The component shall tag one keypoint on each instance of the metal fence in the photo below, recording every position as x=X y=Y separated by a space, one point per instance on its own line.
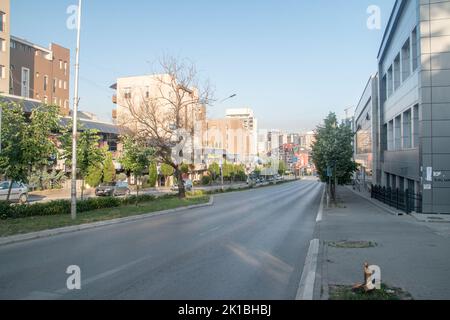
x=405 y=201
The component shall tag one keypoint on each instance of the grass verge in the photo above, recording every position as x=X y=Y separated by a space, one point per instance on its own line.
x=386 y=293
x=12 y=227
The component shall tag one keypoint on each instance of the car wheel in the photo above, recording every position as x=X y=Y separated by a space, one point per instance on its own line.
x=23 y=199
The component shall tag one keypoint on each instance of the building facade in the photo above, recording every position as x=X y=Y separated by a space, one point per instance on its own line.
x=40 y=73
x=230 y=135
x=4 y=46
x=411 y=128
x=250 y=123
x=367 y=135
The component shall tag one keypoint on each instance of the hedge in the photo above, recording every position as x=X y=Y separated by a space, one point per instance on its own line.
x=62 y=207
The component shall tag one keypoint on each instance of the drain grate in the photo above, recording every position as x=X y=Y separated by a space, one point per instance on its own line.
x=353 y=244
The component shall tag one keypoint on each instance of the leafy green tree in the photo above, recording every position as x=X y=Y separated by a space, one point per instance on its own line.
x=282 y=168
x=27 y=141
x=136 y=158
x=214 y=171
x=167 y=171
x=94 y=176
x=153 y=174
x=227 y=170
x=89 y=153
x=184 y=168
x=109 y=170
x=333 y=149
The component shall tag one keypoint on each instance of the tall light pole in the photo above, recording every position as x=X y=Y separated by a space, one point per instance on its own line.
x=76 y=100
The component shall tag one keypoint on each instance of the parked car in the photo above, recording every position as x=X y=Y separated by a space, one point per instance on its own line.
x=19 y=192
x=113 y=189
x=188 y=185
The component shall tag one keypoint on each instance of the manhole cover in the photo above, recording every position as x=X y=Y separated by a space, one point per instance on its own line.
x=353 y=244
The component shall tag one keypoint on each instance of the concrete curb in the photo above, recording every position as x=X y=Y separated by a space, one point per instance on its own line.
x=308 y=280
x=72 y=229
x=380 y=205
x=321 y=289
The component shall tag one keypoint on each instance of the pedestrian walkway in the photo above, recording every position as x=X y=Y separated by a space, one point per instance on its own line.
x=413 y=256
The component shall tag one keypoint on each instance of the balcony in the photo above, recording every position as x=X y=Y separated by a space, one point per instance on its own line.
x=114 y=99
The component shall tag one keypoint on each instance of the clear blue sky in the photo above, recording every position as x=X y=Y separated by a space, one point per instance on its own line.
x=292 y=61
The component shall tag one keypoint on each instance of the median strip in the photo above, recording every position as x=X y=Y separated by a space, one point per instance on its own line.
x=24 y=229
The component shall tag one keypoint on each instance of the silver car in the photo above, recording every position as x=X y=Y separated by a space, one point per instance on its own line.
x=19 y=192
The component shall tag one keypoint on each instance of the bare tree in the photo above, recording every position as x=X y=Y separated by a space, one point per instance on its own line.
x=160 y=112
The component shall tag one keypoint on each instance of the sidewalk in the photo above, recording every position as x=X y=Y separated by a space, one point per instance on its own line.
x=412 y=255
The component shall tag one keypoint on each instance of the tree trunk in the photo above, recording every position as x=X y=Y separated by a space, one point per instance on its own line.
x=181 y=188
x=137 y=190
x=82 y=190
x=9 y=191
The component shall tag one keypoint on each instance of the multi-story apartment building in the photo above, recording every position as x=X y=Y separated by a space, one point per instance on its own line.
x=31 y=71
x=307 y=140
x=152 y=97
x=231 y=137
x=250 y=123
x=40 y=73
x=263 y=142
x=411 y=129
x=4 y=45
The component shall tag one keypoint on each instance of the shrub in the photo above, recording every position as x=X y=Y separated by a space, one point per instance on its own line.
x=206 y=180
x=62 y=207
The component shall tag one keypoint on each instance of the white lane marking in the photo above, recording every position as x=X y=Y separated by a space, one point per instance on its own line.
x=209 y=231
x=320 y=213
x=60 y=293
x=306 y=287
x=106 y=274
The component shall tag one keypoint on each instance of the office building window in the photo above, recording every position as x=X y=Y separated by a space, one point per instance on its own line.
x=65 y=85
x=2 y=72
x=390 y=134
x=12 y=44
x=60 y=64
x=390 y=83
x=414 y=50
x=407 y=130
x=397 y=80
x=60 y=84
x=406 y=60
x=65 y=68
x=2 y=21
x=55 y=83
x=398 y=133
x=2 y=45
x=383 y=89
x=416 y=126
x=45 y=83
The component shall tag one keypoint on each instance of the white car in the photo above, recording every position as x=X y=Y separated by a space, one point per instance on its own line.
x=19 y=192
x=188 y=185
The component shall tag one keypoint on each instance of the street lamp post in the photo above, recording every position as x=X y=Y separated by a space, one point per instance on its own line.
x=1 y=111
x=75 y=119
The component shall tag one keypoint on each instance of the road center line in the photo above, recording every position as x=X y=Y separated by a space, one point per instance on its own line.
x=209 y=231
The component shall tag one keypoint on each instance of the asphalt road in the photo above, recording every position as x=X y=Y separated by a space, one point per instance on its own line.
x=249 y=245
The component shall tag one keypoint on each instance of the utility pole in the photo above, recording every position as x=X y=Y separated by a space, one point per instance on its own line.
x=1 y=111
x=75 y=120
